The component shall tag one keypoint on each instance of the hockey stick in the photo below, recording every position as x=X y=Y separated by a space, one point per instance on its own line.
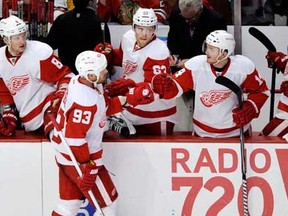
x=238 y=91
x=103 y=35
x=269 y=45
x=75 y=163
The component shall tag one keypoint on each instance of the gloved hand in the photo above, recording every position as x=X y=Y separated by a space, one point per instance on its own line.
x=277 y=58
x=107 y=50
x=90 y=172
x=284 y=88
x=119 y=87
x=245 y=115
x=164 y=85
x=8 y=123
x=141 y=94
x=57 y=98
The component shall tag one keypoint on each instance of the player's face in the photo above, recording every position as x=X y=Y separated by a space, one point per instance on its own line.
x=144 y=34
x=212 y=53
x=17 y=44
x=102 y=76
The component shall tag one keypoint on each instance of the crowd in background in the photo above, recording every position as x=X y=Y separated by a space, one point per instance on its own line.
x=254 y=12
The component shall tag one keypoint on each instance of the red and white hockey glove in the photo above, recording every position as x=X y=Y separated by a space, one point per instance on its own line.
x=105 y=49
x=284 y=88
x=119 y=87
x=141 y=94
x=245 y=115
x=8 y=123
x=57 y=98
x=277 y=58
x=164 y=85
x=90 y=172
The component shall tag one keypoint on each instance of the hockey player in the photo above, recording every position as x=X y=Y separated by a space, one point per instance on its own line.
x=216 y=113
x=278 y=126
x=35 y=78
x=143 y=55
x=82 y=118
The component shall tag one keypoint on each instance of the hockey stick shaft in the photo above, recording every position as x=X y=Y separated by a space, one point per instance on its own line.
x=272 y=91
x=270 y=46
x=238 y=91
x=103 y=35
x=73 y=159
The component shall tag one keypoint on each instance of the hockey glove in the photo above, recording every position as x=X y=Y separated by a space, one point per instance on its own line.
x=141 y=94
x=105 y=49
x=284 y=88
x=164 y=85
x=245 y=115
x=88 y=179
x=8 y=123
x=119 y=87
x=278 y=59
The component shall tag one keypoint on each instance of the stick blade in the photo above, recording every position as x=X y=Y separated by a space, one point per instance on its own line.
x=262 y=38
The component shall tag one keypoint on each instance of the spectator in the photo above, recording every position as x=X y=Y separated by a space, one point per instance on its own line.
x=278 y=126
x=35 y=78
x=162 y=8
x=76 y=31
x=189 y=24
x=215 y=114
x=126 y=11
x=252 y=13
x=82 y=119
x=223 y=7
x=276 y=8
x=108 y=9
x=143 y=55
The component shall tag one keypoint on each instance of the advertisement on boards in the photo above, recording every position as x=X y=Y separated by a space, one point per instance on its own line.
x=201 y=179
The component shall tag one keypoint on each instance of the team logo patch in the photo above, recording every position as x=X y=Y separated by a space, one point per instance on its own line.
x=129 y=67
x=214 y=97
x=17 y=83
x=103 y=121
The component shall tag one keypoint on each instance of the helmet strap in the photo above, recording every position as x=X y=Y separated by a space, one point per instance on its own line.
x=217 y=59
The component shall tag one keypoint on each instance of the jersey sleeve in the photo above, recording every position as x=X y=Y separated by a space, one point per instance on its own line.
x=53 y=71
x=184 y=79
x=5 y=95
x=79 y=120
x=257 y=90
x=113 y=105
x=117 y=56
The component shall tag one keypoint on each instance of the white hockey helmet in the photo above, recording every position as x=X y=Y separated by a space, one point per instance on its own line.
x=90 y=62
x=12 y=25
x=223 y=40
x=145 y=17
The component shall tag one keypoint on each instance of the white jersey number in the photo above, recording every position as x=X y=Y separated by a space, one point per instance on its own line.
x=158 y=69
x=57 y=63
x=81 y=116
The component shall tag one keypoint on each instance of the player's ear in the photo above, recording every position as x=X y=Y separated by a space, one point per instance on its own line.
x=5 y=39
x=224 y=54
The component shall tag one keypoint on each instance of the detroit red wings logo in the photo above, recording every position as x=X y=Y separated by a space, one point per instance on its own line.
x=214 y=97
x=129 y=67
x=16 y=83
x=103 y=121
